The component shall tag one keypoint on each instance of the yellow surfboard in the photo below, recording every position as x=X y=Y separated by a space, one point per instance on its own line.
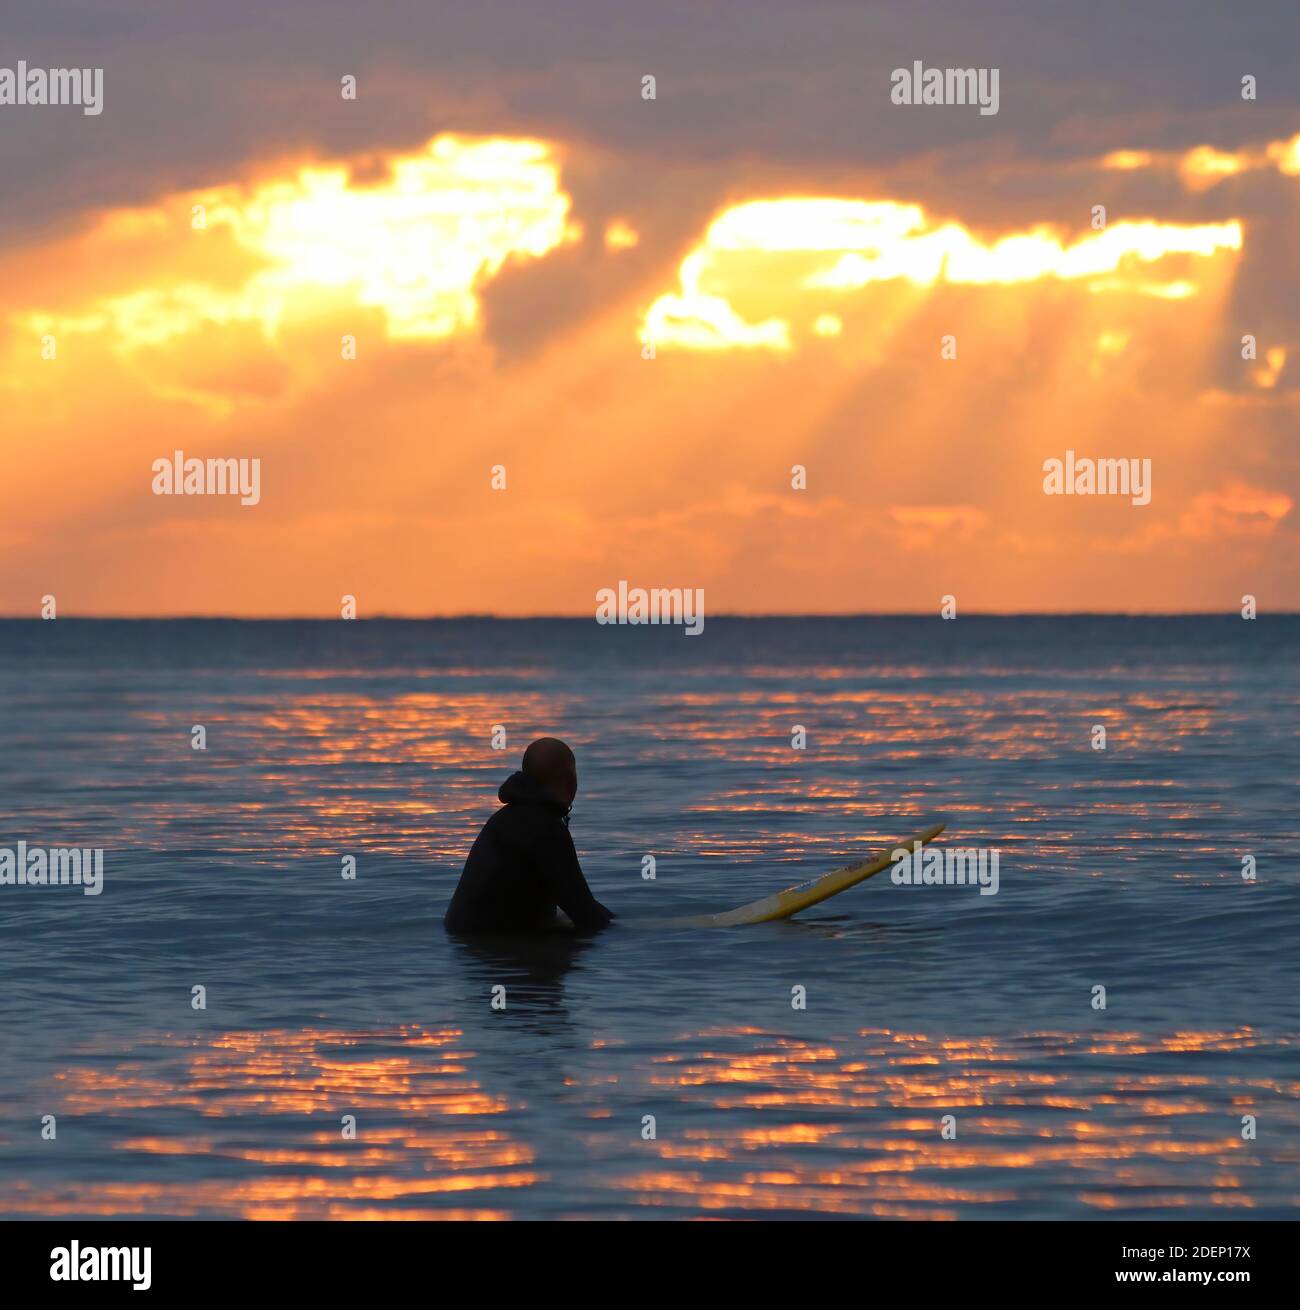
x=781 y=905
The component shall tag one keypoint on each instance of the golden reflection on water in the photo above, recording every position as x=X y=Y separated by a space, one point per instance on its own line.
x=326 y=756
x=246 y=1079
x=749 y=1122
x=904 y=1168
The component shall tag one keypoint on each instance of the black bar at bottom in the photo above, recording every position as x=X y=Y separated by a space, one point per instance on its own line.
x=613 y=1260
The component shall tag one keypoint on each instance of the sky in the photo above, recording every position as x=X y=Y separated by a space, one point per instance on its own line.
x=510 y=325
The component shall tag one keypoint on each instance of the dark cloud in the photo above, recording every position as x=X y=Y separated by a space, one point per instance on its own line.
x=192 y=92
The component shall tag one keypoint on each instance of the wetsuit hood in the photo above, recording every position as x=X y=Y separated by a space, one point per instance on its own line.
x=521 y=789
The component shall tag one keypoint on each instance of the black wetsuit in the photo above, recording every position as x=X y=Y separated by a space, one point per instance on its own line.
x=521 y=867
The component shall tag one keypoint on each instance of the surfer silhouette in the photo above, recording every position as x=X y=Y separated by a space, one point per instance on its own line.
x=523 y=865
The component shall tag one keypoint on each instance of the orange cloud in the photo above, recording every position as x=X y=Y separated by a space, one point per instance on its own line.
x=1237 y=509
x=1206 y=166
x=923 y=477
x=924 y=525
x=416 y=246
x=774 y=251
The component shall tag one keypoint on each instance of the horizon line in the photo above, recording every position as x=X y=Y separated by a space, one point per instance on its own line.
x=469 y=616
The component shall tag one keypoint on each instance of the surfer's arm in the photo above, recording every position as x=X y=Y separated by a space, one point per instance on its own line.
x=569 y=886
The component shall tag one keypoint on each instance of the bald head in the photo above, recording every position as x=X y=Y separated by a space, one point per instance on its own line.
x=550 y=762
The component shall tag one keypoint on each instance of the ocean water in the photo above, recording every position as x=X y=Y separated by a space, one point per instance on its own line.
x=655 y=1072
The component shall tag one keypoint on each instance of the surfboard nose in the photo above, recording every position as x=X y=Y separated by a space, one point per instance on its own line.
x=782 y=904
